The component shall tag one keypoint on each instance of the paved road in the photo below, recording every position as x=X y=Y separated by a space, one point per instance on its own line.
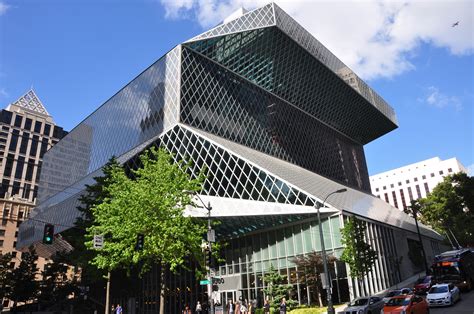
x=465 y=306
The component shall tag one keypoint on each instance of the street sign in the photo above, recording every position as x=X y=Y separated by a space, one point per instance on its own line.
x=204 y=282
x=98 y=241
x=211 y=235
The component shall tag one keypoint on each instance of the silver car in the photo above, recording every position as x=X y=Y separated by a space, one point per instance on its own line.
x=365 y=305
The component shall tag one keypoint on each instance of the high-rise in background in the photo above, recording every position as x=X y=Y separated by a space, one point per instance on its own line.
x=27 y=132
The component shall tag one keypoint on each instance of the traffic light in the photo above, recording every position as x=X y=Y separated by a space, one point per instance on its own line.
x=208 y=258
x=140 y=242
x=48 y=234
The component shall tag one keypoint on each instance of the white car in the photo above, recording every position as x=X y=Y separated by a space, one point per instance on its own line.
x=443 y=294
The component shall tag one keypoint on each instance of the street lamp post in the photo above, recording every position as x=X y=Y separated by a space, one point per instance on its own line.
x=414 y=211
x=323 y=249
x=209 y=244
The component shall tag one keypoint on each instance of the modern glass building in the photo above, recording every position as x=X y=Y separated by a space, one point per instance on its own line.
x=280 y=123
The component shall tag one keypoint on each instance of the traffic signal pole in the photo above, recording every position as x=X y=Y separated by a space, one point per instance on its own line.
x=209 y=276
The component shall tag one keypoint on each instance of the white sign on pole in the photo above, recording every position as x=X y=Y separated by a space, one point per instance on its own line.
x=98 y=241
x=211 y=235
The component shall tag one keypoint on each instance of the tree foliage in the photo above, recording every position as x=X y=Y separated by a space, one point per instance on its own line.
x=24 y=286
x=357 y=252
x=311 y=266
x=56 y=283
x=450 y=208
x=5 y=270
x=151 y=201
x=276 y=288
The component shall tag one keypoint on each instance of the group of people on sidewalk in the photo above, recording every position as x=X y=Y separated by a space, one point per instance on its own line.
x=235 y=308
x=116 y=309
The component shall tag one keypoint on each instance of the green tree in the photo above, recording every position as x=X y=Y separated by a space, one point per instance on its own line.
x=449 y=208
x=24 y=286
x=5 y=271
x=311 y=266
x=357 y=252
x=56 y=286
x=276 y=288
x=150 y=201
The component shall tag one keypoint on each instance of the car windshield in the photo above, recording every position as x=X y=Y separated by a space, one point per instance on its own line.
x=392 y=293
x=423 y=280
x=359 y=302
x=398 y=301
x=441 y=289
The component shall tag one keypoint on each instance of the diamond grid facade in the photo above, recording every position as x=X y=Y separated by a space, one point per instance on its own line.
x=247 y=114
x=262 y=107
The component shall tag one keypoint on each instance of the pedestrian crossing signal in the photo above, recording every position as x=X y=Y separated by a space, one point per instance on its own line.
x=140 y=242
x=48 y=234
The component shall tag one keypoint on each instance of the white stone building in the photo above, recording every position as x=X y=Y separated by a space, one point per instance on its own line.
x=400 y=186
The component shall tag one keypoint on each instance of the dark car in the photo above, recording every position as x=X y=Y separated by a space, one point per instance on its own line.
x=365 y=305
x=423 y=284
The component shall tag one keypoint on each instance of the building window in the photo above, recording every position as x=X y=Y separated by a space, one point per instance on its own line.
x=427 y=190
x=407 y=181
x=441 y=172
x=415 y=179
x=2 y=233
x=399 y=184
x=418 y=191
x=391 y=185
x=28 y=122
x=402 y=196
x=432 y=175
x=47 y=129
x=395 y=202
x=386 y=198
x=376 y=189
x=450 y=169
x=14 y=140
x=24 y=142
x=410 y=194
x=38 y=125
x=18 y=120
x=423 y=177
x=1 y=243
x=384 y=187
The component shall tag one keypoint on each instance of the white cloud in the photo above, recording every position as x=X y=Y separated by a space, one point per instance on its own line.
x=3 y=92
x=438 y=99
x=3 y=8
x=375 y=38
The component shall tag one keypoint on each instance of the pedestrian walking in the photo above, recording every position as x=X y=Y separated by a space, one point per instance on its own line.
x=198 y=308
x=118 y=309
x=237 y=308
x=243 y=309
x=283 y=306
x=230 y=307
x=112 y=310
x=266 y=307
x=187 y=310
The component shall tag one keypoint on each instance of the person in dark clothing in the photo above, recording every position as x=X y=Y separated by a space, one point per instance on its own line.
x=283 y=306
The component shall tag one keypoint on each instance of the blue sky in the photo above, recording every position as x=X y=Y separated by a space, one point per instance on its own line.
x=77 y=55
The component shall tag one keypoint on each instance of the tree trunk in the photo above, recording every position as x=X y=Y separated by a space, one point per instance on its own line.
x=162 y=288
x=107 y=295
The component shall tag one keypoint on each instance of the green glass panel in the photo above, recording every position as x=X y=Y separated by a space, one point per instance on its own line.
x=264 y=245
x=298 y=236
x=326 y=234
x=272 y=244
x=289 y=241
x=307 y=241
x=336 y=232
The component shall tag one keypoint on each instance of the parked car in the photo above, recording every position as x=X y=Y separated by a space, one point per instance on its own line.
x=365 y=305
x=423 y=284
x=411 y=303
x=393 y=293
x=443 y=294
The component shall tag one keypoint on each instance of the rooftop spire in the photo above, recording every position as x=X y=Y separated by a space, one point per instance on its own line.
x=31 y=102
